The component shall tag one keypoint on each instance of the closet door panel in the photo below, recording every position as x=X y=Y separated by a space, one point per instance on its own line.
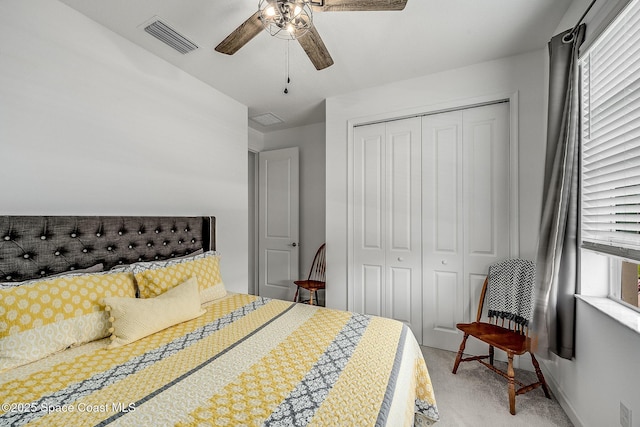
x=372 y=279
x=446 y=299
x=442 y=234
x=400 y=174
x=480 y=186
x=373 y=194
x=447 y=193
x=369 y=219
x=475 y=286
x=404 y=244
x=400 y=287
x=465 y=214
x=486 y=191
x=387 y=221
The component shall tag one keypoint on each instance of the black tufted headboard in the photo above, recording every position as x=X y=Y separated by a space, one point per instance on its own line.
x=39 y=246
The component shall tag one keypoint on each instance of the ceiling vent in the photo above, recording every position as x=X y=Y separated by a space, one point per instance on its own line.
x=267 y=119
x=168 y=35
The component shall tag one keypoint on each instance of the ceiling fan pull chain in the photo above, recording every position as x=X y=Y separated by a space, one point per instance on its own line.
x=286 y=56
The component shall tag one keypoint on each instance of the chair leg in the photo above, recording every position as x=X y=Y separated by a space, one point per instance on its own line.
x=491 y=353
x=295 y=297
x=512 y=386
x=311 y=292
x=460 y=351
x=543 y=383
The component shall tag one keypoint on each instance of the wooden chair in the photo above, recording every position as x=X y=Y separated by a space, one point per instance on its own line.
x=315 y=281
x=508 y=336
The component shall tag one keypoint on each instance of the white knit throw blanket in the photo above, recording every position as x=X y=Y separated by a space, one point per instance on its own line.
x=511 y=286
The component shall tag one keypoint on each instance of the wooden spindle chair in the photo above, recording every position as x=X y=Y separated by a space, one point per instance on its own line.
x=316 y=279
x=508 y=336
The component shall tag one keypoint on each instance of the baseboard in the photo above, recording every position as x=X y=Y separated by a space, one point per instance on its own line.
x=560 y=396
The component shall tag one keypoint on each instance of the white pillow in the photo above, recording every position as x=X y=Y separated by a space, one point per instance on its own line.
x=136 y=318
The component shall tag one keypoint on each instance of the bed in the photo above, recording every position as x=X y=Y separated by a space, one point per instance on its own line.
x=126 y=321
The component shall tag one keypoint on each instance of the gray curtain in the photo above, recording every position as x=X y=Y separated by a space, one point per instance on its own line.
x=557 y=268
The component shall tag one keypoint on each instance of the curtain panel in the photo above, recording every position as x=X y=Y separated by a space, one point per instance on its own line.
x=557 y=263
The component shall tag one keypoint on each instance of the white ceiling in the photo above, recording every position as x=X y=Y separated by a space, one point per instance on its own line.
x=369 y=48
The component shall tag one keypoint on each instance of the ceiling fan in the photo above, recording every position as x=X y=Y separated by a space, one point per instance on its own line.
x=292 y=19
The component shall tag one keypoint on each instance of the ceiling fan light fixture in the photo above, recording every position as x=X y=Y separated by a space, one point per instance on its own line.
x=286 y=19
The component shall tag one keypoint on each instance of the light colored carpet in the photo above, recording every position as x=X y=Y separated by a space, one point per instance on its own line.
x=477 y=397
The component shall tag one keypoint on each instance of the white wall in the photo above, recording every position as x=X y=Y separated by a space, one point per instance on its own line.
x=603 y=373
x=252 y=200
x=311 y=143
x=91 y=124
x=256 y=144
x=256 y=140
x=523 y=74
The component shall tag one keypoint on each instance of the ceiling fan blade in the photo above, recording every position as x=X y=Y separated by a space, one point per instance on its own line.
x=241 y=35
x=317 y=52
x=357 y=5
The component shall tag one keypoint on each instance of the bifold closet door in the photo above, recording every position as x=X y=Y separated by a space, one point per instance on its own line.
x=465 y=196
x=387 y=221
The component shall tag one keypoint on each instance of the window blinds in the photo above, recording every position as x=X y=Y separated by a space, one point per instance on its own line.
x=610 y=83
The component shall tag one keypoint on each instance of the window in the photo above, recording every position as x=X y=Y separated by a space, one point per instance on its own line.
x=625 y=280
x=610 y=88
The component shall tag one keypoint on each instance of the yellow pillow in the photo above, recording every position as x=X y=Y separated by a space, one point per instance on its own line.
x=46 y=316
x=135 y=318
x=155 y=280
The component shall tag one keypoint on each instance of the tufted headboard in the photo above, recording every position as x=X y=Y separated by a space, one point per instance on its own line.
x=39 y=246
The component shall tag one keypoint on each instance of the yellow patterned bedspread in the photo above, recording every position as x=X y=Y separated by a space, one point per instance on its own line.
x=248 y=361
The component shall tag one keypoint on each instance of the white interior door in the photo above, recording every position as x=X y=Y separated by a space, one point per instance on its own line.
x=387 y=222
x=278 y=223
x=465 y=214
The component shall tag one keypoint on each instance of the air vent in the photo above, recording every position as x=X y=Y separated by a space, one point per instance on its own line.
x=168 y=35
x=267 y=119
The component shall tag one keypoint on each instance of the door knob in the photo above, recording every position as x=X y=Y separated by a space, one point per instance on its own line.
x=444 y=262
x=294 y=244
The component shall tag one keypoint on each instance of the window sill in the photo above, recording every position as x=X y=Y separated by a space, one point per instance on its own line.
x=623 y=315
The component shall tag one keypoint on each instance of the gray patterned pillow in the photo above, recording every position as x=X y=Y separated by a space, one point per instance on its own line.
x=129 y=267
x=93 y=269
